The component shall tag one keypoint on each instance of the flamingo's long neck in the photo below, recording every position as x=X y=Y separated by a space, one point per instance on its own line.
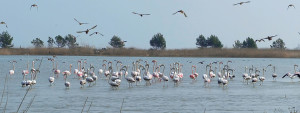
x=13 y=66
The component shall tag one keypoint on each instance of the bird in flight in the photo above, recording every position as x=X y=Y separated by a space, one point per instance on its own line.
x=87 y=30
x=270 y=37
x=140 y=14
x=291 y=5
x=79 y=22
x=180 y=11
x=96 y=33
x=259 y=40
x=34 y=5
x=241 y=3
x=4 y=24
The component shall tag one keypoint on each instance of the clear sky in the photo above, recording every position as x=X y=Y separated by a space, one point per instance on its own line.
x=257 y=19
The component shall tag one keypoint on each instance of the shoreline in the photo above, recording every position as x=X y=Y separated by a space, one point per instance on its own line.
x=132 y=52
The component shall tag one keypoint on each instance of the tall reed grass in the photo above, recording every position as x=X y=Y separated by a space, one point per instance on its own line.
x=203 y=52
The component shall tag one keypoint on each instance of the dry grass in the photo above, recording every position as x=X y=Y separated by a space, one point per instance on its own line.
x=205 y=52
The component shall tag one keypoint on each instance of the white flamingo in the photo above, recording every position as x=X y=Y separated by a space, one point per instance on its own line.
x=147 y=76
x=67 y=73
x=164 y=77
x=51 y=79
x=12 y=71
x=129 y=79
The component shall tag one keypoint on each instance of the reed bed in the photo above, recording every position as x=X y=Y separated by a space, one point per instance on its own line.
x=202 y=52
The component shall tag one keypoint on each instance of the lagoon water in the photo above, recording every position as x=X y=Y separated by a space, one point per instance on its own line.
x=272 y=97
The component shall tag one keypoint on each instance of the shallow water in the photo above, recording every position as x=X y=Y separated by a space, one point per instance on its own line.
x=271 y=97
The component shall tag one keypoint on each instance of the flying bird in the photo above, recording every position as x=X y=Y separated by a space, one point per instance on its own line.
x=259 y=40
x=180 y=11
x=140 y=14
x=241 y=3
x=87 y=30
x=4 y=24
x=291 y=5
x=270 y=37
x=34 y=5
x=79 y=22
x=96 y=33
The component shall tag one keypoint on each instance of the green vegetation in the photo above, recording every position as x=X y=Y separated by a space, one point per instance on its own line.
x=116 y=42
x=212 y=41
x=6 y=40
x=60 y=41
x=248 y=43
x=37 y=42
x=278 y=44
x=158 y=41
x=50 y=42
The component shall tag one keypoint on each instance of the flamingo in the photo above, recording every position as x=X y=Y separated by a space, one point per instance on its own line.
x=129 y=79
x=171 y=72
x=138 y=78
x=83 y=81
x=245 y=74
x=192 y=76
x=274 y=75
x=205 y=77
x=254 y=78
x=231 y=75
x=67 y=73
x=147 y=76
x=92 y=73
x=12 y=71
x=100 y=71
x=56 y=71
x=106 y=72
x=77 y=70
x=176 y=77
x=164 y=77
x=33 y=74
x=262 y=78
x=292 y=76
x=113 y=84
x=155 y=73
x=180 y=74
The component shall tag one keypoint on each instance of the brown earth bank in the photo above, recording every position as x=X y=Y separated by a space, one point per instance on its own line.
x=203 y=52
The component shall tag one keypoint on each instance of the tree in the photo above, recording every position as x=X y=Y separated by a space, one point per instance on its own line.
x=237 y=44
x=60 y=41
x=116 y=42
x=50 y=42
x=37 y=42
x=214 y=42
x=201 y=42
x=278 y=44
x=158 y=41
x=6 y=40
x=249 y=43
x=71 y=41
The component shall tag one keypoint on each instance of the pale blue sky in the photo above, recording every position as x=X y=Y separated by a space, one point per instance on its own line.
x=258 y=19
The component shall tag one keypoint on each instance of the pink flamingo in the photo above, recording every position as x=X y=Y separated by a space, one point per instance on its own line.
x=79 y=73
x=56 y=71
x=155 y=73
x=192 y=76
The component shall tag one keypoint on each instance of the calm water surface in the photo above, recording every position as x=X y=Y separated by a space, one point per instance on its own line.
x=272 y=97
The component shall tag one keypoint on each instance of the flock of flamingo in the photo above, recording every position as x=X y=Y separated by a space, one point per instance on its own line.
x=114 y=72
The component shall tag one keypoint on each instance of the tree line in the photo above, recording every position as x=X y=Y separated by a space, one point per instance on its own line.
x=157 y=42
